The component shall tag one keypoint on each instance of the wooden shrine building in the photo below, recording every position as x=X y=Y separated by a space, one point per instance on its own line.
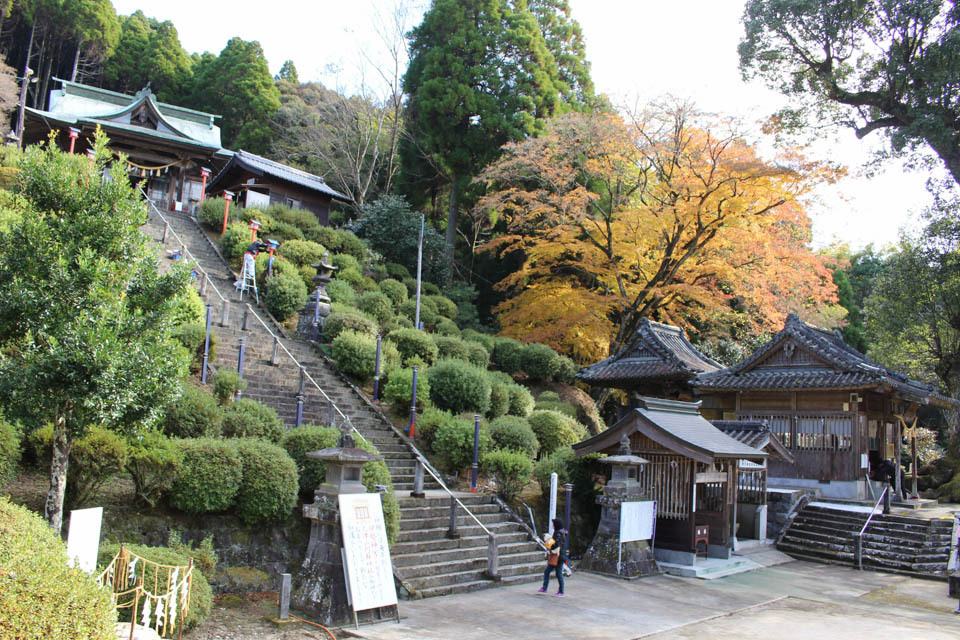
x=692 y=471
x=259 y=182
x=837 y=412
x=658 y=362
x=168 y=148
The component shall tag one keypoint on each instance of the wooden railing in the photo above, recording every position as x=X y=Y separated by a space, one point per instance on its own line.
x=808 y=430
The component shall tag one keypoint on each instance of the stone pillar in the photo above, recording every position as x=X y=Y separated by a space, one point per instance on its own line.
x=320 y=589
x=318 y=303
x=636 y=557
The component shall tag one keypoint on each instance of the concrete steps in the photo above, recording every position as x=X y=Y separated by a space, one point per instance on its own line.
x=900 y=544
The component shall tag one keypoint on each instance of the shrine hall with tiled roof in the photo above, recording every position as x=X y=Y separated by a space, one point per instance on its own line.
x=658 y=352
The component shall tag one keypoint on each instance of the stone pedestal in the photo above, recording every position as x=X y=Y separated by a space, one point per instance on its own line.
x=317 y=308
x=636 y=558
x=319 y=589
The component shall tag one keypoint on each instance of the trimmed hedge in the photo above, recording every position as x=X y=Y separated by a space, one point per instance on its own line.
x=555 y=430
x=210 y=213
x=356 y=355
x=94 y=459
x=444 y=306
x=42 y=596
x=453 y=444
x=247 y=418
x=201 y=595
x=346 y=262
x=447 y=327
x=499 y=397
x=561 y=462
x=511 y=470
x=302 y=252
x=428 y=311
x=472 y=335
x=397 y=271
x=284 y=295
x=395 y=290
x=477 y=354
x=567 y=371
x=152 y=464
x=235 y=241
x=188 y=307
x=459 y=387
x=9 y=451
x=377 y=305
x=399 y=389
x=521 y=400
x=539 y=361
x=226 y=383
x=508 y=355
x=451 y=347
x=340 y=291
x=208 y=478
x=268 y=491
x=340 y=321
x=413 y=343
x=195 y=414
x=516 y=434
x=429 y=421
x=192 y=336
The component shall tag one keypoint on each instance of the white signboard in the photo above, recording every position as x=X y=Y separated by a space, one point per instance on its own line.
x=256 y=200
x=83 y=538
x=369 y=572
x=636 y=520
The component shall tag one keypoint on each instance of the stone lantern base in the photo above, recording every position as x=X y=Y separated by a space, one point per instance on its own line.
x=636 y=558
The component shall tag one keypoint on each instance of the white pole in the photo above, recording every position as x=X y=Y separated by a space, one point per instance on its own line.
x=416 y=319
x=553 y=501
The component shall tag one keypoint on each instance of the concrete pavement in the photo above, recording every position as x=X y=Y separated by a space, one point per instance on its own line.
x=793 y=600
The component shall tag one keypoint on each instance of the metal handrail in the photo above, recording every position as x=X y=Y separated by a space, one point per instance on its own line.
x=858 y=538
x=874 y=511
x=429 y=468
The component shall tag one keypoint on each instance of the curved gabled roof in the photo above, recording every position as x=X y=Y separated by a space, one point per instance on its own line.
x=657 y=352
x=259 y=165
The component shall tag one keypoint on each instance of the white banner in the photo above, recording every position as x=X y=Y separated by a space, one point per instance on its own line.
x=637 y=520
x=83 y=538
x=369 y=572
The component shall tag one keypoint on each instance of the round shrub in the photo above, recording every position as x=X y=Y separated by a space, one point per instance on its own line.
x=268 y=491
x=281 y=231
x=567 y=371
x=453 y=444
x=201 y=595
x=539 y=361
x=477 y=354
x=430 y=289
x=351 y=244
x=548 y=396
x=345 y=262
x=94 y=459
x=210 y=213
x=152 y=464
x=397 y=271
x=377 y=473
x=208 y=478
x=450 y=347
x=459 y=387
x=339 y=321
x=511 y=432
x=192 y=337
x=302 y=252
x=447 y=327
x=428 y=312
x=379 y=273
x=377 y=305
x=353 y=277
x=472 y=335
x=413 y=343
x=280 y=267
x=511 y=470
x=9 y=451
x=399 y=389
x=521 y=400
x=444 y=305
x=284 y=295
x=561 y=462
x=429 y=421
x=247 y=418
x=226 y=383
x=194 y=415
x=565 y=408
x=411 y=284
x=499 y=398
x=341 y=291
x=235 y=241
x=307 y=273
x=394 y=290
x=298 y=442
x=397 y=322
x=554 y=430
x=356 y=355
x=508 y=355
x=327 y=236
x=188 y=307
x=42 y=596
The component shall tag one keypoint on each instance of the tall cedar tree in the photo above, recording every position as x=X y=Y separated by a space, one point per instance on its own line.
x=149 y=52
x=480 y=75
x=85 y=317
x=671 y=217
x=868 y=64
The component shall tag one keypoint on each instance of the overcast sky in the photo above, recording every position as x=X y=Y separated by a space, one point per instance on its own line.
x=639 y=50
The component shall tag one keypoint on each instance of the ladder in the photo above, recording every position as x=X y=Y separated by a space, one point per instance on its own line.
x=248 y=278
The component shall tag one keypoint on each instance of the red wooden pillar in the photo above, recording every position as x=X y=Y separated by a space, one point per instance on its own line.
x=91 y=154
x=74 y=133
x=254 y=225
x=228 y=196
x=204 y=173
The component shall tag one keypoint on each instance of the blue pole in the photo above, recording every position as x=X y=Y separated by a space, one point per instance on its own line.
x=376 y=373
x=299 y=409
x=243 y=346
x=206 y=348
x=476 y=453
x=413 y=404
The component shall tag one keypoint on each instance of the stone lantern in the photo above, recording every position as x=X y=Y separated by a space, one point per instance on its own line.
x=344 y=466
x=317 y=308
x=606 y=554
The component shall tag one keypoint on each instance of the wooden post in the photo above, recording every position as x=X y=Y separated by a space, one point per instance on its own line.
x=913 y=454
x=136 y=601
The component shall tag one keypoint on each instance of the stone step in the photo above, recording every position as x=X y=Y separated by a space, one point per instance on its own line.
x=437 y=521
x=419 y=535
x=476 y=585
x=441 y=511
x=467 y=499
x=473 y=571
x=440 y=544
x=467 y=558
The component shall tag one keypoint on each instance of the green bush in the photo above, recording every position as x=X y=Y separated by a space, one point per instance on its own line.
x=339 y=321
x=413 y=343
x=284 y=295
x=209 y=476
x=192 y=336
x=444 y=305
x=210 y=213
x=567 y=371
x=268 y=491
x=235 y=241
x=340 y=291
x=548 y=396
x=302 y=252
x=42 y=596
x=539 y=361
x=377 y=305
x=472 y=335
x=447 y=327
x=201 y=595
x=464 y=296
x=399 y=388
x=394 y=290
x=194 y=415
x=397 y=271
x=377 y=473
x=9 y=451
x=298 y=442
x=555 y=430
x=499 y=398
x=429 y=421
x=327 y=236
x=450 y=347
x=248 y=418
x=226 y=383
x=511 y=470
x=411 y=284
x=307 y=273
x=94 y=459
x=188 y=307
x=346 y=262
x=303 y=219
x=508 y=355
x=379 y=273
x=351 y=244
x=516 y=434
x=459 y=387
x=281 y=231
x=453 y=444
x=521 y=400
x=565 y=408
x=428 y=312
x=477 y=354
x=356 y=355
x=561 y=462
x=152 y=463
x=430 y=289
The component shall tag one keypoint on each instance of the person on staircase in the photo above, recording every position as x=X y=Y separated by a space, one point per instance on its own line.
x=249 y=261
x=556 y=557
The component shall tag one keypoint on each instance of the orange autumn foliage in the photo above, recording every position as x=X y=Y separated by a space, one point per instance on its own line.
x=672 y=216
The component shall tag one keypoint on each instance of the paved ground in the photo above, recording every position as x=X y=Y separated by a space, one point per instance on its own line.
x=793 y=600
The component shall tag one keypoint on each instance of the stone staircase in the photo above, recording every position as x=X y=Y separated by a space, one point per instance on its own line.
x=426 y=560
x=899 y=544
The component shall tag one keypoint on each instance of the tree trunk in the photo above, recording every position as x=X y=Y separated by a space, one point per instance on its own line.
x=76 y=63
x=53 y=508
x=451 y=227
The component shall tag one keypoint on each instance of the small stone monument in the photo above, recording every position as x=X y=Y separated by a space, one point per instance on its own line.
x=313 y=314
x=319 y=588
x=606 y=555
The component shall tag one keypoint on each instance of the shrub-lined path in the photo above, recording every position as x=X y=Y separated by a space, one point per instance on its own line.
x=425 y=559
